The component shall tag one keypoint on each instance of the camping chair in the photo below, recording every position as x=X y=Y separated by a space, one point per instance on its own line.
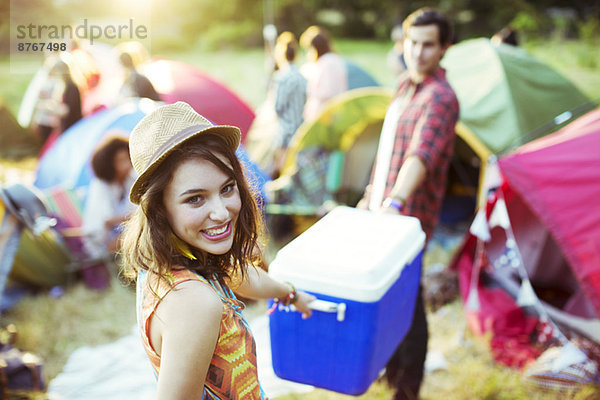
x=298 y=200
x=38 y=255
x=67 y=207
x=10 y=234
x=305 y=192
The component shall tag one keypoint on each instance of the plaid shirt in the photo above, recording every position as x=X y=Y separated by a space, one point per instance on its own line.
x=425 y=129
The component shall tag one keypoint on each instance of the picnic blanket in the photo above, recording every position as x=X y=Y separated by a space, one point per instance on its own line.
x=121 y=370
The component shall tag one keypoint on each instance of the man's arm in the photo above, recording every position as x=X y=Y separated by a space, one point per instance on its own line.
x=411 y=175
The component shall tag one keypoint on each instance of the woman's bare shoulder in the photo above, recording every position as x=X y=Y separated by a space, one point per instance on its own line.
x=196 y=300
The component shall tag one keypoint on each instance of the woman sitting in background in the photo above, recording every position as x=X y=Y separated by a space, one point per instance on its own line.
x=107 y=204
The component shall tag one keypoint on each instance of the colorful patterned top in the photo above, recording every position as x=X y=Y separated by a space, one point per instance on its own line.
x=232 y=373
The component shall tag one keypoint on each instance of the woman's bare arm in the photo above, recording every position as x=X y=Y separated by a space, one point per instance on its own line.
x=185 y=330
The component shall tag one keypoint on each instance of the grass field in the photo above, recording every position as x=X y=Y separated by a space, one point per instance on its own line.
x=54 y=327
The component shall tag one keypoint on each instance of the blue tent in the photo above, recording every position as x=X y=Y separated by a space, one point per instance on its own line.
x=358 y=77
x=67 y=162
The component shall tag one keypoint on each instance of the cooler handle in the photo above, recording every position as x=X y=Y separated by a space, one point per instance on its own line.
x=329 y=307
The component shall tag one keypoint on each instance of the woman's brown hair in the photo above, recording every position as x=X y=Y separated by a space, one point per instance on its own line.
x=318 y=38
x=147 y=242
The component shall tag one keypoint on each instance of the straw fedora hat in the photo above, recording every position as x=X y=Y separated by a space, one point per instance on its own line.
x=161 y=131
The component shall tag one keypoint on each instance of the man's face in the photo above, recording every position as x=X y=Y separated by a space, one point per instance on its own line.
x=422 y=50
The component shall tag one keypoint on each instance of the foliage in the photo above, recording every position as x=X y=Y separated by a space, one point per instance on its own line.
x=238 y=23
x=574 y=59
x=589 y=30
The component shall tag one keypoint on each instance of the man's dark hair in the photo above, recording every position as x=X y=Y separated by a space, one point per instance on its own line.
x=429 y=16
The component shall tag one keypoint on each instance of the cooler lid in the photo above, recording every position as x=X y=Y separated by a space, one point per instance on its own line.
x=350 y=253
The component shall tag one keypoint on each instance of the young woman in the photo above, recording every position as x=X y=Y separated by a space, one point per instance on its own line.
x=192 y=240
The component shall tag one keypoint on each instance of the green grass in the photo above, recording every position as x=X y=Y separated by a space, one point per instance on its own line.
x=55 y=327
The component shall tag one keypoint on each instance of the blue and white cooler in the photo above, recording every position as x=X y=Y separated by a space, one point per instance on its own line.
x=364 y=268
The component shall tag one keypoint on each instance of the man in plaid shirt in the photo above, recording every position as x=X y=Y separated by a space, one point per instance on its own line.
x=410 y=173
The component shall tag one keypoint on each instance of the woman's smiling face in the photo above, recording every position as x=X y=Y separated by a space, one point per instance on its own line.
x=203 y=204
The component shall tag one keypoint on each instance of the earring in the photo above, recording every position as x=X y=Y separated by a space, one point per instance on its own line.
x=182 y=247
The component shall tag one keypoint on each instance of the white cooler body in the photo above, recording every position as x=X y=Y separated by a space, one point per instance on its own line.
x=365 y=270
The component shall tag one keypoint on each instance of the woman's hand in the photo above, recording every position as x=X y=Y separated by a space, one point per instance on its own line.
x=301 y=303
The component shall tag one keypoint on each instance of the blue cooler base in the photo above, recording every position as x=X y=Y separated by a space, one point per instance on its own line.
x=347 y=356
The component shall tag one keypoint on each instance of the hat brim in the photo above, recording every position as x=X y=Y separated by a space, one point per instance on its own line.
x=231 y=134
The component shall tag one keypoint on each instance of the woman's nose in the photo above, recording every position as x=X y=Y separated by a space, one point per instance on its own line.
x=218 y=211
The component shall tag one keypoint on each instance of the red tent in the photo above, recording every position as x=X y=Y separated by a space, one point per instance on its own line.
x=551 y=188
x=178 y=81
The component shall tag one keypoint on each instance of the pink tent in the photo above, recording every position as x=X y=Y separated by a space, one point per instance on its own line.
x=178 y=81
x=551 y=189
x=558 y=177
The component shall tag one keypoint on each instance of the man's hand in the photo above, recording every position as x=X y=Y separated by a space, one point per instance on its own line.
x=363 y=204
x=389 y=210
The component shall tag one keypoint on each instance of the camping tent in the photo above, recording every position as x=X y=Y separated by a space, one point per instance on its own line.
x=344 y=140
x=534 y=252
x=342 y=120
x=506 y=97
x=178 y=81
x=66 y=163
x=173 y=80
x=358 y=77
x=505 y=94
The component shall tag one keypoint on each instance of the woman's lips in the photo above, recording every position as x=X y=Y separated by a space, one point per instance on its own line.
x=217 y=233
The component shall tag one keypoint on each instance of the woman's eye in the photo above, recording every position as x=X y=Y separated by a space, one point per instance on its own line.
x=194 y=200
x=228 y=188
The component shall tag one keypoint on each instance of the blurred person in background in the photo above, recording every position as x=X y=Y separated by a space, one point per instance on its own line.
x=325 y=71
x=59 y=105
x=290 y=95
x=134 y=83
x=395 y=57
x=411 y=167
